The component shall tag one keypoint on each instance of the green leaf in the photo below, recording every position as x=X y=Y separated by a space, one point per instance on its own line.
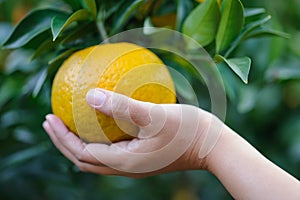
x=184 y=90
x=45 y=46
x=264 y=31
x=181 y=65
x=35 y=82
x=61 y=56
x=56 y=62
x=252 y=26
x=202 y=23
x=109 y=10
x=250 y=12
x=5 y=28
x=148 y=27
x=32 y=25
x=183 y=9
x=35 y=42
x=79 y=33
x=231 y=24
x=42 y=76
x=59 y=23
x=246 y=31
x=240 y=66
x=230 y=80
x=91 y=6
x=126 y=15
x=100 y=23
x=74 y=4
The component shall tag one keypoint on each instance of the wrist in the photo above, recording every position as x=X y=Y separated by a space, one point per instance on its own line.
x=217 y=155
x=210 y=131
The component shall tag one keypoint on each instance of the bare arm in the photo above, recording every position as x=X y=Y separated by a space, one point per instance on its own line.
x=246 y=173
x=187 y=133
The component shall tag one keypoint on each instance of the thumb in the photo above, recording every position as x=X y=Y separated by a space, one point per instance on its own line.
x=119 y=106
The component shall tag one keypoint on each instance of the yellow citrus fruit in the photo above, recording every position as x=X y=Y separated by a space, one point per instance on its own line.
x=121 y=67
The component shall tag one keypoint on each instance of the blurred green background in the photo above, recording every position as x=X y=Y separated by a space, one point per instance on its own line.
x=266 y=112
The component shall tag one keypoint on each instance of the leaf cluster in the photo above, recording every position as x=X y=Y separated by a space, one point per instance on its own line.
x=55 y=33
x=222 y=28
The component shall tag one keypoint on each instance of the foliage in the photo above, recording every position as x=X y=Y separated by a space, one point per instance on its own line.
x=266 y=111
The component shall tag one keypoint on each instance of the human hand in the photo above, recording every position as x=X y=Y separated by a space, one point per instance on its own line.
x=171 y=137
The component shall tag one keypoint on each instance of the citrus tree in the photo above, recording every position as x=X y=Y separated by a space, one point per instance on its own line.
x=35 y=45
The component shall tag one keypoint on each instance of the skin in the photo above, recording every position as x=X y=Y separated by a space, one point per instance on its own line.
x=184 y=129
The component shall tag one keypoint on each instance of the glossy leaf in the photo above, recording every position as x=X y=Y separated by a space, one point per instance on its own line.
x=45 y=46
x=35 y=42
x=231 y=24
x=183 y=10
x=202 y=23
x=230 y=80
x=59 y=23
x=267 y=32
x=240 y=66
x=79 y=33
x=181 y=65
x=252 y=26
x=246 y=31
x=183 y=73
x=184 y=90
x=91 y=6
x=250 y=12
x=126 y=15
x=31 y=26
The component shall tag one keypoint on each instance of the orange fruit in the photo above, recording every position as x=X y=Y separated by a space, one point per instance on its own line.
x=121 y=67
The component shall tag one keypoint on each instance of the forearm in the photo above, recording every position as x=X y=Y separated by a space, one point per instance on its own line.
x=246 y=173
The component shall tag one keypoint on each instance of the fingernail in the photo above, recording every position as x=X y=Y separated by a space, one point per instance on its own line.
x=47 y=117
x=95 y=98
x=44 y=124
